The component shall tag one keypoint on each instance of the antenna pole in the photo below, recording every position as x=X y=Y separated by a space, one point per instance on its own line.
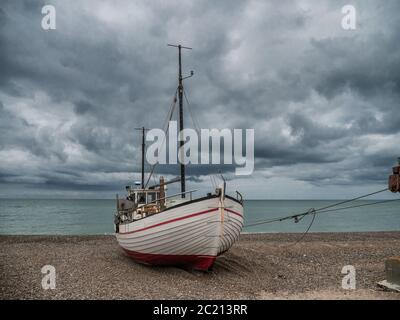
x=180 y=96
x=181 y=143
x=143 y=147
x=143 y=129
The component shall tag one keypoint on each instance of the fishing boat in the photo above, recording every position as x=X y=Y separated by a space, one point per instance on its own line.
x=180 y=230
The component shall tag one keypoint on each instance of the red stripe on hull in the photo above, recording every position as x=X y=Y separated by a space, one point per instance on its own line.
x=234 y=212
x=197 y=262
x=180 y=218
x=172 y=220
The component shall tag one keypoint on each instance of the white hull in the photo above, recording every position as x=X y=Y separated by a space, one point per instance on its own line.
x=193 y=233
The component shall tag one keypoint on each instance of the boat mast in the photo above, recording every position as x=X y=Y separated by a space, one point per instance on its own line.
x=180 y=96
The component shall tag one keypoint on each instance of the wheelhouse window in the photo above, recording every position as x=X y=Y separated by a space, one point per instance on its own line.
x=151 y=196
x=132 y=197
x=141 y=198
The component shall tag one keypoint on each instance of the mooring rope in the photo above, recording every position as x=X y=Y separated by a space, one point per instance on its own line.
x=326 y=209
x=360 y=205
x=299 y=216
x=314 y=213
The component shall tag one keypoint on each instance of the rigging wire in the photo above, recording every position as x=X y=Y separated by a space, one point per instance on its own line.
x=166 y=129
x=194 y=120
x=154 y=179
x=212 y=182
x=215 y=181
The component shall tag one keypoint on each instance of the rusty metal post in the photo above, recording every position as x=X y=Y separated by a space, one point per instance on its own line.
x=394 y=179
x=392 y=269
x=162 y=193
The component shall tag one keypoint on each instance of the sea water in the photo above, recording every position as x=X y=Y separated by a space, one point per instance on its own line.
x=69 y=216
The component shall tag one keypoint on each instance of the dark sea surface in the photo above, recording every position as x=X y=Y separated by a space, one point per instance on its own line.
x=39 y=216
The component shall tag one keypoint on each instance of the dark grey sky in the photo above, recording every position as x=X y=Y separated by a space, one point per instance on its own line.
x=324 y=102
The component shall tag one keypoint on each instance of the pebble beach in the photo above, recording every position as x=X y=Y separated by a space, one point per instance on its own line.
x=258 y=266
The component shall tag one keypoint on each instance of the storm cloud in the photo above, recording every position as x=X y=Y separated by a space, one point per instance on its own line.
x=324 y=101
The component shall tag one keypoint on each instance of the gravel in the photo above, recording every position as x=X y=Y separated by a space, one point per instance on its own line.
x=259 y=266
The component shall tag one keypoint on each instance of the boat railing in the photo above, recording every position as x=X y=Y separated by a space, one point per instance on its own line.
x=239 y=197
